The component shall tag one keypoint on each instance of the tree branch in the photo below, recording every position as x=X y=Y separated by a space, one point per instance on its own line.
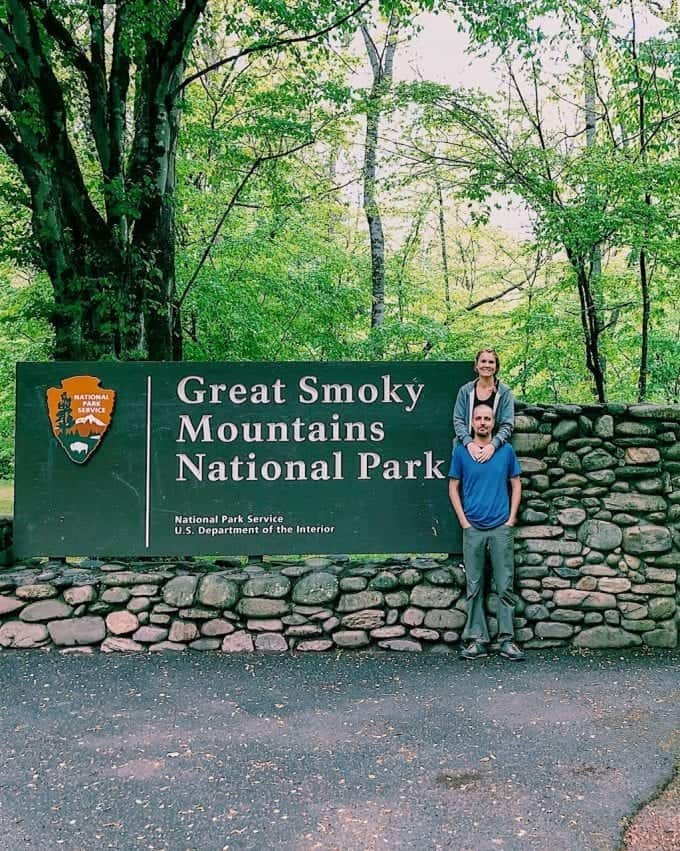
x=211 y=242
x=178 y=37
x=491 y=298
x=230 y=206
x=271 y=45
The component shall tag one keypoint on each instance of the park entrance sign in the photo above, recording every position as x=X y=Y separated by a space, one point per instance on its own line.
x=234 y=458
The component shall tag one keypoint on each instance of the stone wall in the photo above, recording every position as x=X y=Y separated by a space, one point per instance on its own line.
x=598 y=548
x=597 y=555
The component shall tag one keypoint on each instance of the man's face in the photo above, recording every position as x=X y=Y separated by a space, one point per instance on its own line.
x=482 y=421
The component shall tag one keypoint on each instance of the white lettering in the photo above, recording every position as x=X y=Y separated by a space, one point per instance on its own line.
x=204 y=427
x=198 y=395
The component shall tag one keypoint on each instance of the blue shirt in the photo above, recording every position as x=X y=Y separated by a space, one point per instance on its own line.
x=485 y=494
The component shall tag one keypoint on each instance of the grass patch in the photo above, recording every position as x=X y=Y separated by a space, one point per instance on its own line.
x=6 y=497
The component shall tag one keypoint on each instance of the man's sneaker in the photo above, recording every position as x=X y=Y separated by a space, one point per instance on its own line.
x=509 y=650
x=474 y=650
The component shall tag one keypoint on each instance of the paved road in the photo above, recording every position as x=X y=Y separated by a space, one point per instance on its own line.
x=350 y=752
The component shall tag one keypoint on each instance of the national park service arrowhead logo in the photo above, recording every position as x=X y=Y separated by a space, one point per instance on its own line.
x=80 y=413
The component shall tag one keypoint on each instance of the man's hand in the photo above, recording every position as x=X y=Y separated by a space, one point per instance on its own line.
x=511 y=521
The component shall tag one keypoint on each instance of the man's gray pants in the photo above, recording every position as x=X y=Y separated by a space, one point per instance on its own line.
x=498 y=543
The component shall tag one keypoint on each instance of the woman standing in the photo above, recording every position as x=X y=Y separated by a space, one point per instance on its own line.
x=488 y=389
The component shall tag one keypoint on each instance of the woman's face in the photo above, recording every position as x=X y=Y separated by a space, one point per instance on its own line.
x=486 y=364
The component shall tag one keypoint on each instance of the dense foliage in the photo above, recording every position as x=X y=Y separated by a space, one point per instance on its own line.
x=261 y=250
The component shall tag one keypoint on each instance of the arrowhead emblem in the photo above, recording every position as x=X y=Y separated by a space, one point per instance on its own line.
x=80 y=413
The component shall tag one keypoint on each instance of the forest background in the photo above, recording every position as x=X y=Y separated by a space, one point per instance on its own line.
x=274 y=180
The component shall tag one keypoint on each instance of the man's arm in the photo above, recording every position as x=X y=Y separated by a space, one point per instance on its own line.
x=454 y=496
x=515 y=497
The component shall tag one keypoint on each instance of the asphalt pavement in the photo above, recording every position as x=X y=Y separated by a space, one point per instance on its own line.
x=349 y=751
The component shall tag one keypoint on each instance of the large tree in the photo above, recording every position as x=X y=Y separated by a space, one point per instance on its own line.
x=91 y=95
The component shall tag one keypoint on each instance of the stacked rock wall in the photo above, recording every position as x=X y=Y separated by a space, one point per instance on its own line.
x=597 y=555
x=598 y=546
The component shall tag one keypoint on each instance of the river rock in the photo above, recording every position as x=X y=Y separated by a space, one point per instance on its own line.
x=9 y=605
x=401 y=644
x=665 y=635
x=613 y=584
x=269 y=585
x=364 y=619
x=271 y=642
x=525 y=422
x=385 y=581
x=238 y=642
x=531 y=466
x=641 y=455
x=660 y=589
x=45 y=610
x=394 y=631
x=571 y=516
x=530 y=444
x=661 y=608
x=262 y=607
x=444 y=619
x=115 y=595
x=122 y=623
x=554 y=630
x=315 y=645
x=79 y=595
x=361 y=600
x=598 y=459
x=353 y=583
x=317 y=587
x=565 y=429
x=600 y=637
x=38 y=591
x=600 y=535
x=218 y=592
x=150 y=634
x=179 y=592
x=538 y=532
x=19 y=635
x=572 y=598
x=638 y=502
x=129 y=577
x=350 y=638
x=647 y=539
x=183 y=631
x=68 y=633
x=396 y=599
x=115 y=644
x=432 y=597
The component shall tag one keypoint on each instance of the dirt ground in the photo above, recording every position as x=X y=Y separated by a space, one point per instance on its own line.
x=657 y=826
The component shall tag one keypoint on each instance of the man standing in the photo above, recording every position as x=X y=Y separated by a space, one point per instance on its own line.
x=486 y=499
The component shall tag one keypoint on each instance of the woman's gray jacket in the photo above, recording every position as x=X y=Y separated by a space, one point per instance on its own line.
x=503 y=411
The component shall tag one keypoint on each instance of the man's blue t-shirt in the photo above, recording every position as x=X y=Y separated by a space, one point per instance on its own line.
x=484 y=491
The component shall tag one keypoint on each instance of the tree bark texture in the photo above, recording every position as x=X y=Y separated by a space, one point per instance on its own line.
x=112 y=267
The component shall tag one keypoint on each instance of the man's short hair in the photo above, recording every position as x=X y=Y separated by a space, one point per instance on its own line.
x=483 y=405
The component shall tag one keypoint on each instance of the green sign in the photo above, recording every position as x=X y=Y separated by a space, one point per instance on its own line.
x=234 y=458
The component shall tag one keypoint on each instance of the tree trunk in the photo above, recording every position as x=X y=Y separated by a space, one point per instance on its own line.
x=595 y=275
x=642 y=254
x=590 y=325
x=442 y=243
x=113 y=274
x=381 y=67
